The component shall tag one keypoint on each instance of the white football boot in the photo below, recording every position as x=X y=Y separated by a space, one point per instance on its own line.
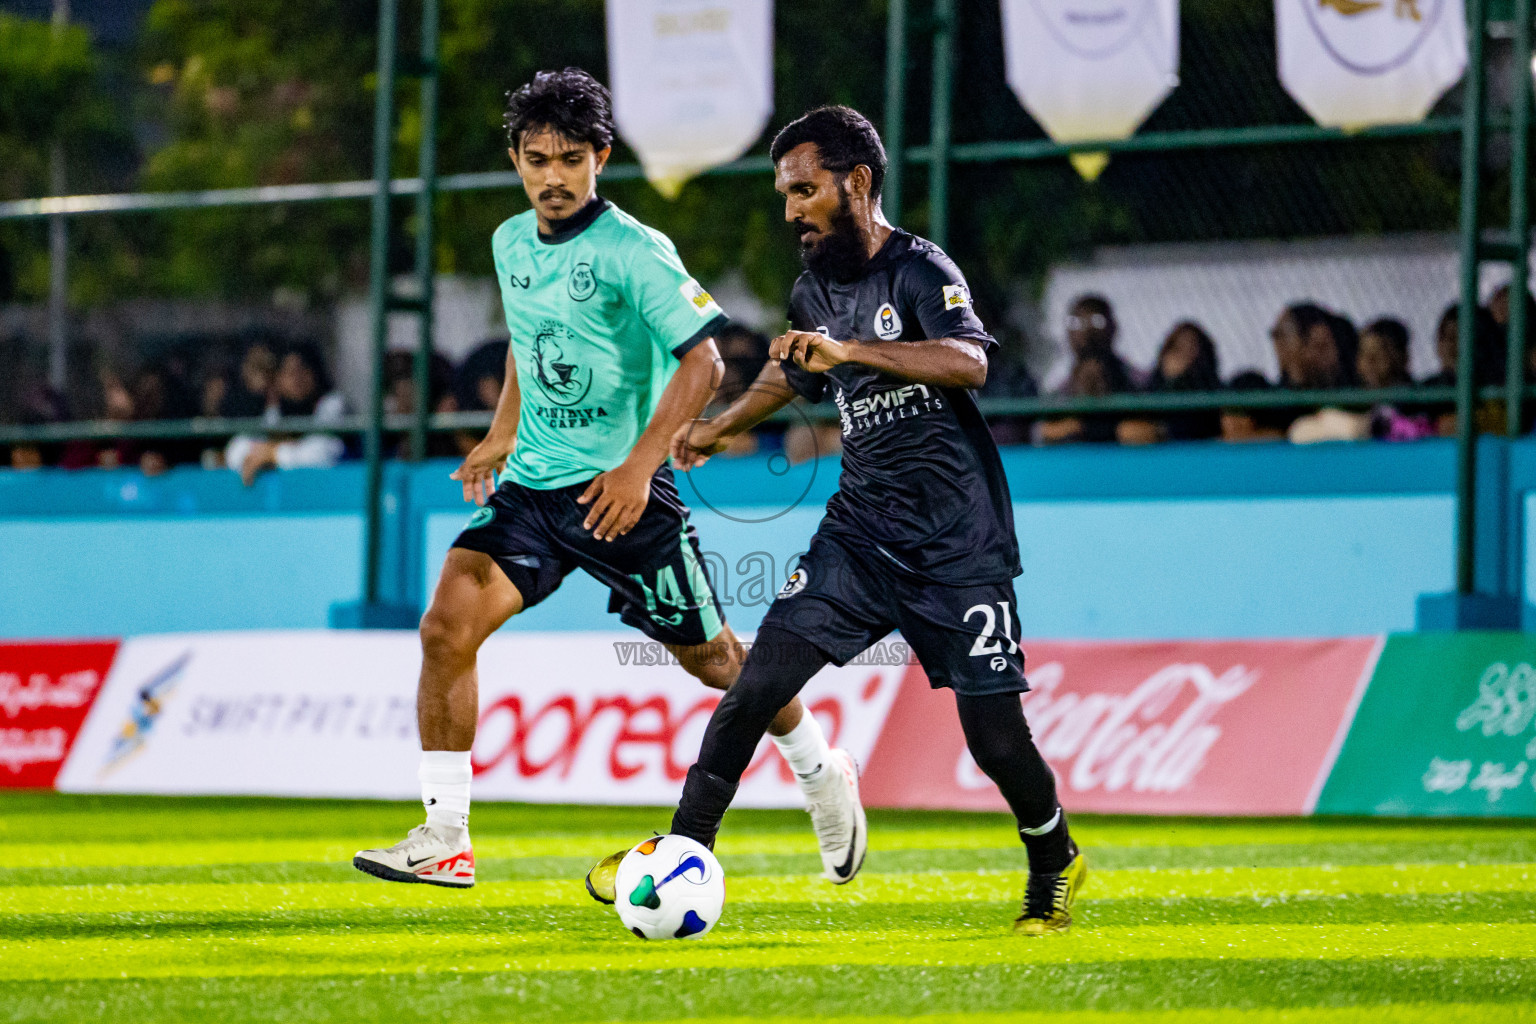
x=837 y=817
x=422 y=856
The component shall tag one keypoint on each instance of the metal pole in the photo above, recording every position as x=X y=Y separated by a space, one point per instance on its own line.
x=895 y=107
x=1519 y=219
x=425 y=236
x=1466 y=321
x=938 y=126
x=58 y=248
x=378 y=295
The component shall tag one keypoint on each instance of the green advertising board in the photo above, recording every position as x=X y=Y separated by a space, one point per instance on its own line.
x=1446 y=727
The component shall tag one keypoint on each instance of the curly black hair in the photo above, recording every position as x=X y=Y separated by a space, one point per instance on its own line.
x=844 y=139
x=571 y=103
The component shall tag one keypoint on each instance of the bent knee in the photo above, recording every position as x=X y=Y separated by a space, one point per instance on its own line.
x=716 y=674
x=445 y=639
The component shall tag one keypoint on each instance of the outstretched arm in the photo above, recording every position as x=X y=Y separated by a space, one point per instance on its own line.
x=480 y=467
x=947 y=362
x=695 y=441
x=619 y=496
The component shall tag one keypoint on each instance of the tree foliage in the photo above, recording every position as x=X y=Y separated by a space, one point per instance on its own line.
x=257 y=92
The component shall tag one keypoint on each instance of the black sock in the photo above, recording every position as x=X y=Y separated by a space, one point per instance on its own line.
x=704 y=801
x=1000 y=743
x=1050 y=851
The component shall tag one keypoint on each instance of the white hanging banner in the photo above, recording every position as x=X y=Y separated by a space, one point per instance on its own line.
x=1354 y=63
x=692 y=82
x=1091 y=69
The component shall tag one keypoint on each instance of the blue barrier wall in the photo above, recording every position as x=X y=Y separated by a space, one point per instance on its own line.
x=1172 y=541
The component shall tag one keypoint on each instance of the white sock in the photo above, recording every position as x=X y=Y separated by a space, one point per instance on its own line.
x=805 y=748
x=445 y=776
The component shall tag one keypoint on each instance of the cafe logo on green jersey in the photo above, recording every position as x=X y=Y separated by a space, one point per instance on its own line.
x=562 y=380
x=582 y=284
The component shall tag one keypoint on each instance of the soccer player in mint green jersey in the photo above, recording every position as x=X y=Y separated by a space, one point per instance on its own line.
x=612 y=352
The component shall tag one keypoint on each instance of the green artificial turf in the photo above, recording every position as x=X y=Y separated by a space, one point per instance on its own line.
x=153 y=909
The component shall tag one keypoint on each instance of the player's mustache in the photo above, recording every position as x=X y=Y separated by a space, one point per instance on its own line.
x=803 y=229
x=554 y=193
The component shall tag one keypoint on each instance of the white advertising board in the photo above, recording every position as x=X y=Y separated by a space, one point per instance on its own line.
x=564 y=718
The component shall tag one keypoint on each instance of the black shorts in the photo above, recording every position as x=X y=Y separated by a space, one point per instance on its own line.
x=654 y=573
x=843 y=601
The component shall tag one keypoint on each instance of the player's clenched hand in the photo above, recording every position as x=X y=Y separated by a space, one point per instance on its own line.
x=478 y=472
x=618 y=497
x=695 y=441
x=810 y=350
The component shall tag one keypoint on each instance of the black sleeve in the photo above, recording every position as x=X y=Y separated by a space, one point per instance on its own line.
x=810 y=386
x=934 y=288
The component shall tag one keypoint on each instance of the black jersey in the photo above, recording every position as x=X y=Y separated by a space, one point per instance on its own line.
x=922 y=482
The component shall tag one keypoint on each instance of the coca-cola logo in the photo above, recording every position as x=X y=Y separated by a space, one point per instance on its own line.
x=22 y=747
x=630 y=735
x=40 y=690
x=1153 y=739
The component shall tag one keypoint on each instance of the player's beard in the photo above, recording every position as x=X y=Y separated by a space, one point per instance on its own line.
x=840 y=254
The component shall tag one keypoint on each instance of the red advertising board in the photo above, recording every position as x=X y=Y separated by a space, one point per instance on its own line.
x=45 y=691
x=1187 y=727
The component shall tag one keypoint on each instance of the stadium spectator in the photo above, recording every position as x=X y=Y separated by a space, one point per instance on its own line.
x=1242 y=424
x=1313 y=347
x=1096 y=375
x=301 y=387
x=250 y=393
x=1091 y=331
x=1498 y=307
x=1327 y=358
x=157 y=394
x=1186 y=363
x=1382 y=362
x=400 y=397
x=1315 y=351
x=1488 y=360
x=477 y=387
x=40 y=404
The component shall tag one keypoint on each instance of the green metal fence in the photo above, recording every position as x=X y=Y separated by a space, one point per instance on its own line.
x=940 y=24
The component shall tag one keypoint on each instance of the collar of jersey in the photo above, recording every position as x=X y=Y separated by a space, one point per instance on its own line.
x=894 y=246
x=575 y=224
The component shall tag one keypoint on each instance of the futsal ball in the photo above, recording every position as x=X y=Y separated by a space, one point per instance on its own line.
x=669 y=887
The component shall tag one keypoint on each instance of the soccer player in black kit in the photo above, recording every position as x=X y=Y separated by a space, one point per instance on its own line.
x=919 y=536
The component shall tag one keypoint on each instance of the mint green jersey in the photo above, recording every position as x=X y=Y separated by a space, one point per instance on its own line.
x=600 y=314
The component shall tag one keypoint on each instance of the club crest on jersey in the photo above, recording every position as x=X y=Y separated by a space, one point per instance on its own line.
x=582 y=284
x=956 y=296
x=887 y=323
x=796 y=583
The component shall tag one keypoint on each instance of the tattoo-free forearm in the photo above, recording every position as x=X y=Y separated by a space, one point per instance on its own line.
x=766 y=395
x=685 y=397
x=509 y=407
x=947 y=362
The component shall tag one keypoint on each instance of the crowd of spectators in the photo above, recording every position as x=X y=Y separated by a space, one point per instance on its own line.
x=1316 y=350
x=269 y=379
